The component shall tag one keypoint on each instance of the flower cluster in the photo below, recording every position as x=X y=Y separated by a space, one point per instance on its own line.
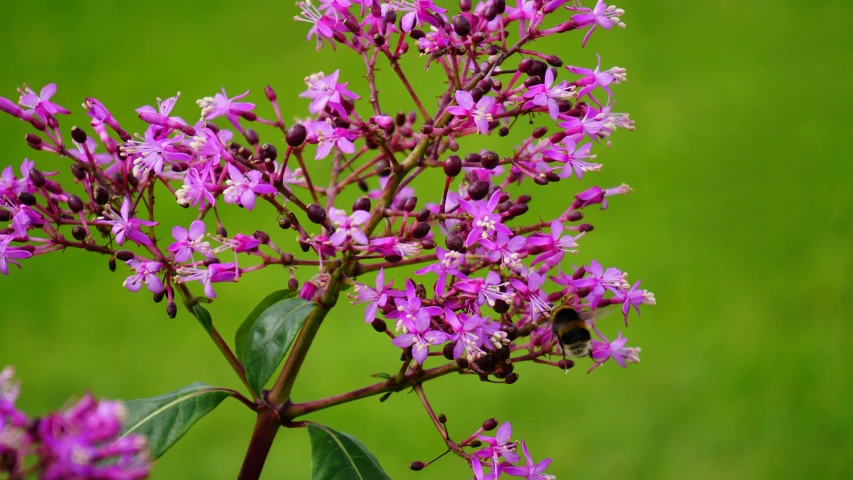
x=81 y=442
x=486 y=279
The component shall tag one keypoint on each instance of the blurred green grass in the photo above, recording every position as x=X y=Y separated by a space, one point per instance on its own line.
x=740 y=223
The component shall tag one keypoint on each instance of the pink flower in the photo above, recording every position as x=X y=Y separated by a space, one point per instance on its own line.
x=603 y=351
x=187 y=242
x=596 y=78
x=243 y=188
x=220 y=104
x=145 y=274
x=325 y=90
x=9 y=254
x=530 y=470
x=348 y=226
x=599 y=16
x=480 y=114
x=41 y=103
x=126 y=227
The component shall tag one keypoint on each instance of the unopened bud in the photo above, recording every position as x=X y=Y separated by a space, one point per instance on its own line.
x=261 y=236
x=296 y=135
x=75 y=204
x=361 y=204
x=410 y=204
x=78 y=135
x=379 y=325
x=447 y=351
x=293 y=284
x=78 y=171
x=511 y=378
x=101 y=195
x=452 y=166
x=158 y=297
x=268 y=152
x=417 y=466
x=37 y=178
x=532 y=81
x=270 y=93
x=33 y=139
x=221 y=232
x=537 y=68
x=585 y=227
x=461 y=25
x=284 y=223
x=421 y=230
x=78 y=232
x=316 y=213
x=478 y=190
x=112 y=264
x=454 y=242
x=27 y=198
x=489 y=160
x=574 y=216
x=524 y=65
x=171 y=310
x=490 y=424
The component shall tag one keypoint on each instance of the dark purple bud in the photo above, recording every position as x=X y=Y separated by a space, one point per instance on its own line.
x=249 y=116
x=462 y=362
x=465 y=5
x=379 y=39
x=477 y=93
x=532 y=81
x=585 y=227
x=316 y=214
x=394 y=258
x=552 y=177
x=112 y=264
x=5 y=215
x=123 y=135
x=579 y=273
x=132 y=180
x=293 y=284
x=497 y=85
x=270 y=93
x=391 y=16
x=442 y=418
x=75 y=204
x=286 y=259
x=417 y=466
x=484 y=85
x=268 y=151
x=379 y=325
x=478 y=190
x=284 y=223
x=361 y=203
x=171 y=310
x=523 y=199
x=417 y=34
x=490 y=424
x=158 y=297
x=400 y=119
x=124 y=255
x=500 y=306
x=221 y=232
x=383 y=167
x=501 y=355
x=566 y=364
x=554 y=61
x=447 y=351
x=574 y=112
x=537 y=68
x=78 y=232
x=362 y=185
x=557 y=137
x=53 y=187
x=452 y=166
x=500 y=6
x=540 y=180
x=454 y=242
x=410 y=204
x=486 y=362
x=454 y=147
x=461 y=25
x=511 y=331
x=296 y=135
x=78 y=135
x=574 y=216
x=539 y=132
x=605 y=302
x=261 y=236
x=38 y=124
x=511 y=378
x=518 y=209
x=428 y=244
x=473 y=158
x=423 y=214
x=491 y=12
x=427 y=129
x=211 y=126
x=251 y=136
x=101 y=195
x=564 y=105
x=489 y=160
x=421 y=230
x=33 y=139
x=342 y=122
x=37 y=178
x=524 y=65
x=503 y=131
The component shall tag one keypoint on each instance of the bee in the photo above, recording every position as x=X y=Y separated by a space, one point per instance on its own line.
x=572 y=331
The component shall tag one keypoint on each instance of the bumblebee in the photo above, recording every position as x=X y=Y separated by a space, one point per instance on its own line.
x=572 y=331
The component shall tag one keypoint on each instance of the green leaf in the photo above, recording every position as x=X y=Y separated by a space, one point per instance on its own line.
x=269 y=337
x=386 y=376
x=203 y=317
x=165 y=419
x=243 y=332
x=339 y=456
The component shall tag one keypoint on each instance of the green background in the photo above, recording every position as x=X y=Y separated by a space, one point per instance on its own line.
x=740 y=223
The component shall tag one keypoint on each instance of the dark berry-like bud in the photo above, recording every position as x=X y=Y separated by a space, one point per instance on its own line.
x=112 y=264
x=452 y=165
x=293 y=284
x=37 y=178
x=75 y=204
x=490 y=424
x=417 y=34
x=158 y=297
x=473 y=158
x=465 y=5
x=484 y=85
x=78 y=171
x=566 y=364
x=221 y=232
x=383 y=167
x=208 y=261
x=361 y=203
x=511 y=331
x=362 y=185
x=489 y=160
x=477 y=93
x=421 y=230
x=78 y=135
x=574 y=112
x=442 y=418
x=461 y=25
x=410 y=204
x=462 y=362
x=268 y=152
x=251 y=136
x=393 y=258
x=475 y=443
x=501 y=355
x=532 y=81
x=447 y=351
x=5 y=215
x=500 y=6
x=564 y=105
x=585 y=227
x=557 y=137
x=78 y=232
x=537 y=68
x=523 y=199
x=574 y=216
x=518 y=209
x=503 y=131
x=554 y=61
x=539 y=132
x=454 y=242
x=391 y=16
x=132 y=180
x=284 y=223
x=501 y=306
x=101 y=195
x=511 y=378
x=423 y=215
x=379 y=325
x=524 y=65
x=261 y=236
x=270 y=93
x=427 y=129
x=491 y=12
x=171 y=310
x=486 y=362
x=295 y=135
x=33 y=139
x=497 y=85
x=316 y=214
x=552 y=177
x=417 y=466
x=27 y=198
x=286 y=259
x=478 y=190
x=249 y=116
x=124 y=255
x=540 y=180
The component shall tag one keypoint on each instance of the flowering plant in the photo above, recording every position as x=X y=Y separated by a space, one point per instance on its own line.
x=484 y=280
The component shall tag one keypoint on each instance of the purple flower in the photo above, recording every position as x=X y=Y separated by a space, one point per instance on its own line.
x=410 y=309
x=125 y=227
x=375 y=298
x=194 y=191
x=11 y=186
x=220 y=104
x=532 y=292
x=348 y=226
x=150 y=153
x=243 y=188
x=216 y=272
x=603 y=351
x=598 y=282
x=635 y=298
x=506 y=250
x=145 y=273
x=599 y=16
x=324 y=26
x=164 y=107
x=596 y=78
x=448 y=262
x=328 y=137
x=41 y=103
x=23 y=217
x=414 y=321
x=572 y=158
x=546 y=95
x=467 y=333
x=488 y=290
x=393 y=246
x=555 y=244
x=485 y=223
x=480 y=114
x=499 y=445
x=187 y=242
x=530 y=471
x=420 y=11
x=326 y=91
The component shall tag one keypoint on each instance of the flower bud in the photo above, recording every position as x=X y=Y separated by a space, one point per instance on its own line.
x=362 y=185
x=221 y=232
x=490 y=12
x=478 y=190
x=410 y=204
x=489 y=160
x=500 y=306
x=316 y=214
x=249 y=116
x=379 y=325
x=421 y=230
x=361 y=204
x=465 y=5
x=286 y=259
x=75 y=204
x=78 y=232
x=261 y=236
x=37 y=178
x=393 y=258
x=158 y=297
x=574 y=216
x=554 y=61
x=566 y=364
x=477 y=93
x=5 y=215
x=497 y=85
x=101 y=195
x=462 y=362
x=293 y=284
x=417 y=466
x=284 y=223
x=268 y=152
x=428 y=244
x=532 y=81
x=33 y=139
x=473 y=158
x=500 y=6
x=124 y=255
x=503 y=131
x=208 y=261
x=511 y=331
x=417 y=34
x=423 y=215
x=295 y=135
x=383 y=167
x=379 y=39
x=251 y=136
x=511 y=378
x=452 y=166
x=270 y=93
x=78 y=171
x=518 y=209
x=486 y=362
x=427 y=129
x=112 y=264
x=537 y=68
x=38 y=124
x=171 y=310
x=461 y=25
x=447 y=351
x=78 y=135
x=539 y=132
x=484 y=85
x=27 y=199
x=454 y=242
x=579 y=273
x=490 y=424
x=557 y=137
x=540 y=180
x=524 y=65
x=442 y=418
x=391 y=16
x=585 y=227
x=475 y=443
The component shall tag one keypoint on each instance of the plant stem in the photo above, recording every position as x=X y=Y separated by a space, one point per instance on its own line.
x=266 y=427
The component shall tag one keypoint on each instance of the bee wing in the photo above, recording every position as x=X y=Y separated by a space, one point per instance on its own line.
x=593 y=316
